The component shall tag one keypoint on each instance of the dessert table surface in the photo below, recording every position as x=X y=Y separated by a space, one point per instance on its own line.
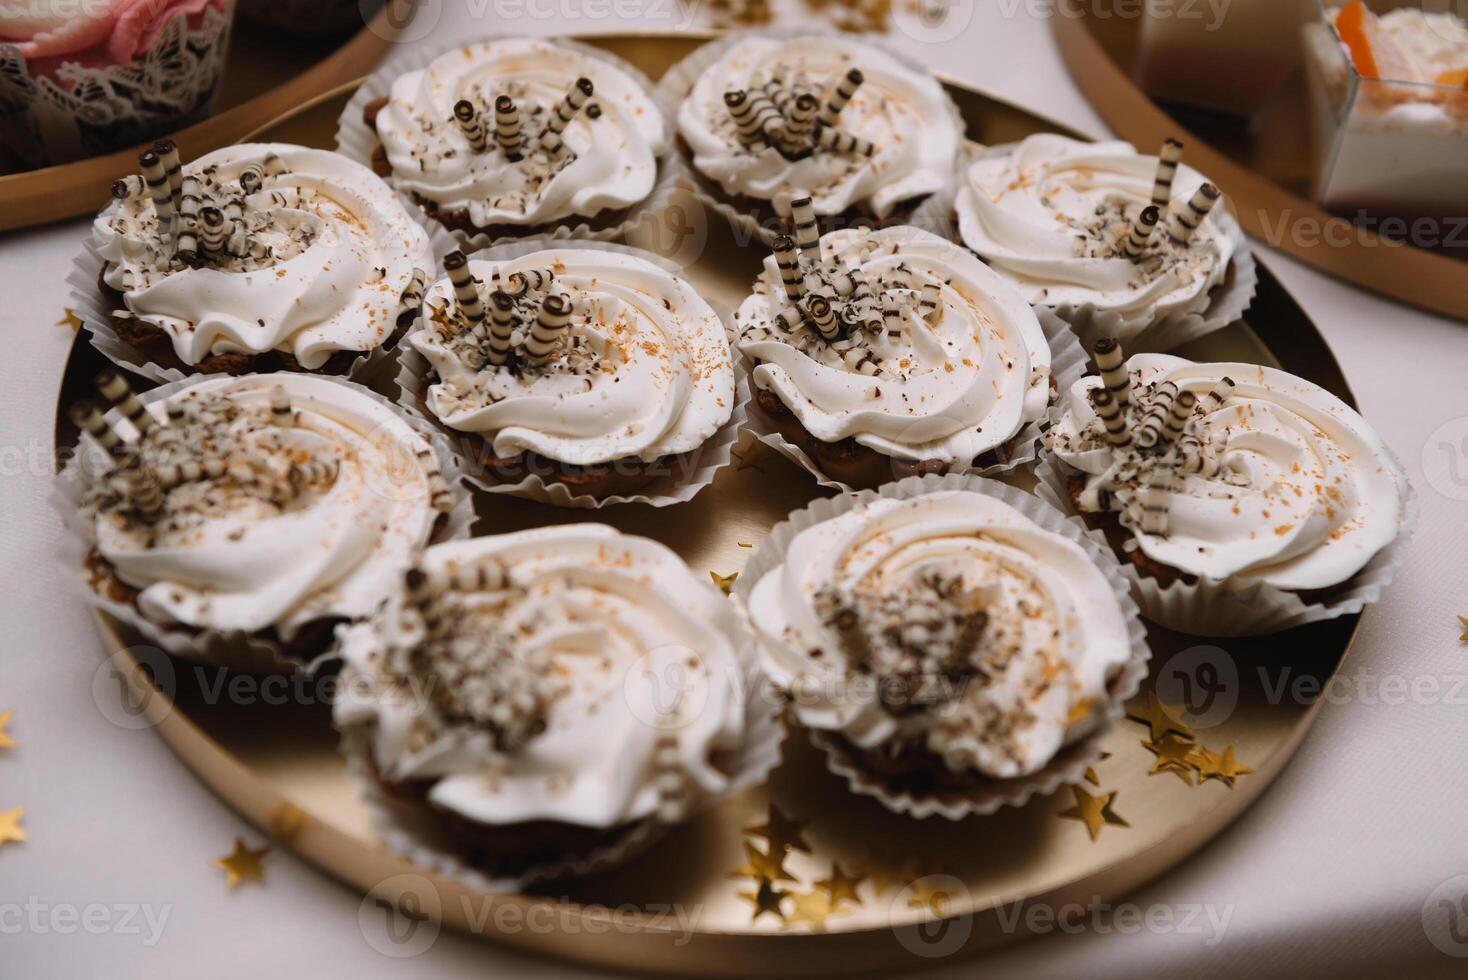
x=1353 y=864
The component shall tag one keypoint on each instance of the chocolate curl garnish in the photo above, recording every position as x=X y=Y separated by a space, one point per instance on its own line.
x=1156 y=496
x=1159 y=407
x=861 y=360
x=593 y=109
x=89 y=419
x=213 y=233
x=167 y=151
x=129 y=187
x=156 y=177
x=466 y=117
x=1111 y=362
x=565 y=110
x=115 y=389
x=502 y=327
x=1112 y=417
x=527 y=280
x=818 y=311
x=145 y=493
x=551 y=323
x=846 y=144
x=864 y=301
x=668 y=779
x=1142 y=230
x=775 y=90
x=841 y=94
x=466 y=294
x=807 y=231
x=312 y=473
x=746 y=124
x=507 y=128
x=280 y=407
x=1185 y=222
x=440 y=496
x=252 y=178
x=928 y=305
x=412 y=296
x=789 y=318
x=1177 y=419
x=1218 y=394
x=273 y=164
x=1167 y=160
x=190 y=471
x=787 y=257
x=190 y=202
x=795 y=135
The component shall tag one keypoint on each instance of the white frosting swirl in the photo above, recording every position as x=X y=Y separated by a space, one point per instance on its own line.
x=1305 y=495
x=343 y=251
x=1052 y=213
x=225 y=558
x=949 y=620
x=615 y=155
x=628 y=649
x=949 y=390
x=650 y=373
x=904 y=112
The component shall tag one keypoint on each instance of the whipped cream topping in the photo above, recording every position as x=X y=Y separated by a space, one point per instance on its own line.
x=1274 y=481
x=950 y=383
x=901 y=111
x=641 y=370
x=612 y=143
x=1053 y=215
x=322 y=256
x=288 y=522
x=949 y=621
x=569 y=673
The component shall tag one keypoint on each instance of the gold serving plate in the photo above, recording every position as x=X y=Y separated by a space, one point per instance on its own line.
x=924 y=889
x=1264 y=166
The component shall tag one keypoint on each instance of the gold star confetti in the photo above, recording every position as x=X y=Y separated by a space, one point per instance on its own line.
x=6 y=742
x=745 y=544
x=1090 y=774
x=1463 y=620
x=1174 y=755
x=841 y=887
x=724 y=582
x=69 y=319
x=758 y=864
x=781 y=832
x=1224 y=768
x=1159 y=719
x=810 y=908
x=287 y=820
x=242 y=863
x=766 y=898
x=747 y=459
x=10 y=829
x=925 y=896
x=1094 y=811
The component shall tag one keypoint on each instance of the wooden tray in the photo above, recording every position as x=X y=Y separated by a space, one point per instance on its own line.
x=1264 y=167
x=268 y=75
x=277 y=763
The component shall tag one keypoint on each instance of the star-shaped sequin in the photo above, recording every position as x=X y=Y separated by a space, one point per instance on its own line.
x=724 y=582
x=765 y=900
x=1463 y=621
x=1224 y=768
x=758 y=864
x=6 y=742
x=1158 y=719
x=1094 y=811
x=69 y=319
x=841 y=887
x=242 y=864
x=1174 y=755
x=10 y=828
x=781 y=832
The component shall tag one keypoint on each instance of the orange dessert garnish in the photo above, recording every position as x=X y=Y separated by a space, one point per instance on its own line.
x=1373 y=52
x=1457 y=76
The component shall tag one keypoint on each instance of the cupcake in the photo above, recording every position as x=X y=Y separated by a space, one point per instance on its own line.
x=877 y=355
x=514 y=136
x=953 y=643
x=257 y=257
x=83 y=79
x=543 y=701
x=575 y=374
x=225 y=516
x=768 y=118
x=1100 y=228
x=1231 y=486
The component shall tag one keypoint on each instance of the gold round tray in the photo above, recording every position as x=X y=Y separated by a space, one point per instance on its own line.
x=912 y=890
x=1263 y=166
x=267 y=76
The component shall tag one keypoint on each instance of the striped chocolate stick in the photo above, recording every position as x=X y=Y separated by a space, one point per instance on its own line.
x=1111 y=362
x=1112 y=418
x=1142 y=231
x=466 y=117
x=551 y=324
x=466 y=293
x=1167 y=160
x=1185 y=222
x=507 y=132
x=115 y=389
x=807 y=230
x=840 y=94
x=787 y=258
x=502 y=327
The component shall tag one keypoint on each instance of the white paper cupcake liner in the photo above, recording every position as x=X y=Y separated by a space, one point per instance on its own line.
x=411 y=831
x=679 y=80
x=92 y=308
x=1069 y=765
x=702 y=464
x=233 y=649
x=357 y=141
x=1141 y=332
x=1067 y=365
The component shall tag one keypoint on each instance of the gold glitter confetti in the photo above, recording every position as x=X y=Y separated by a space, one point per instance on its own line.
x=1094 y=811
x=758 y=864
x=781 y=832
x=242 y=863
x=841 y=887
x=1159 y=719
x=1224 y=768
x=765 y=898
x=1463 y=620
x=724 y=582
x=69 y=319
x=6 y=742
x=10 y=829
x=1174 y=755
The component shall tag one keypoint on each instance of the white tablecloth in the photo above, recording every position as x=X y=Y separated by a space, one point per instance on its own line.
x=1328 y=875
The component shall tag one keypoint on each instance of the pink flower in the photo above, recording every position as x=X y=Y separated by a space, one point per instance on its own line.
x=92 y=31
